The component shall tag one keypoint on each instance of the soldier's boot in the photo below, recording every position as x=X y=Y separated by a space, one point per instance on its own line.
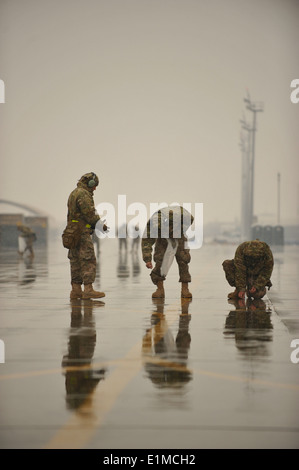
x=259 y=294
x=233 y=295
x=76 y=292
x=89 y=293
x=185 y=293
x=159 y=293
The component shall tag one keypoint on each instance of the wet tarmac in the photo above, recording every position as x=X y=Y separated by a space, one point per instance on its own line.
x=127 y=372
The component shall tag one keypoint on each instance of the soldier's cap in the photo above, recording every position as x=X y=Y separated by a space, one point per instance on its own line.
x=89 y=177
x=254 y=249
x=174 y=219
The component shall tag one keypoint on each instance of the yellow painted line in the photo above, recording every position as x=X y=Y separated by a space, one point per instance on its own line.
x=237 y=378
x=153 y=360
x=36 y=373
x=89 y=416
x=83 y=423
x=217 y=375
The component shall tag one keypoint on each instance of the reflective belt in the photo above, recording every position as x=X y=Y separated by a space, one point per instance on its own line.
x=87 y=225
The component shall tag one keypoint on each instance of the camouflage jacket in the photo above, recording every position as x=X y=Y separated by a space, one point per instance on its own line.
x=81 y=206
x=253 y=259
x=26 y=232
x=175 y=220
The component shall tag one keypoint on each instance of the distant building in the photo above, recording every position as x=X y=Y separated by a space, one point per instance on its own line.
x=9 y=234
x=291 y=234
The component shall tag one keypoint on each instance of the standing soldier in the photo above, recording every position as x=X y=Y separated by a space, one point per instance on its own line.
x=81 y=211
x=166 y=230
x=250 y=270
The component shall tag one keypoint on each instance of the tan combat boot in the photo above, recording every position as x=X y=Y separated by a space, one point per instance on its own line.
x=186 y=294
x=159 y=294
x=235 y=294
x=76 y=292
x=89 y=293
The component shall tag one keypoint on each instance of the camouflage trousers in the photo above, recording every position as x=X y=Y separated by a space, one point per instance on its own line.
x=83 y=261
x=230 y=269
x=182 y=257
x=29 y=246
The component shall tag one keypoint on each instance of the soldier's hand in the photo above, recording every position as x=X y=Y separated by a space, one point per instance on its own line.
x=101 y=226
x=149 y=265
x=241 y=294
x=252 y=290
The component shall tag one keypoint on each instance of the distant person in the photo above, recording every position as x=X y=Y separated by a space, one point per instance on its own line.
x=123 y=270
x=29 y=237
x=122 y=234
x=135 y=239
x=81 y=210
x=250 y=270
x=168 y=245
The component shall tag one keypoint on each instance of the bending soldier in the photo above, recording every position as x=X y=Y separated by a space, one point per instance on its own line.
x=81 y=210
x=166 y=230
x=250 y=270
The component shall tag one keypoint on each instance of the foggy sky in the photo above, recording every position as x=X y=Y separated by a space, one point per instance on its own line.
x=148 y=94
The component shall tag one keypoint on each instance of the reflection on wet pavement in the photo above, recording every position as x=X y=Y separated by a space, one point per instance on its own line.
x=165 y=358
x=135 y=372
x=123 y=267
x=22 y=269
x=79 y=379
x=250 y=324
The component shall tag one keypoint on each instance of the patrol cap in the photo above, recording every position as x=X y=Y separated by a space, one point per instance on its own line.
x=169 y=221
x=254 y=249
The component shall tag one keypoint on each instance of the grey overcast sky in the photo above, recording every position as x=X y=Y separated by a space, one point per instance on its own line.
x=149 y=94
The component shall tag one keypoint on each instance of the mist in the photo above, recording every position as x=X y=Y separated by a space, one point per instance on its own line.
x=149 y=94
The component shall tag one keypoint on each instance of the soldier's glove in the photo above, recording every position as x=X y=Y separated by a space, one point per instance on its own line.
x=102 y=227
x=241 y=294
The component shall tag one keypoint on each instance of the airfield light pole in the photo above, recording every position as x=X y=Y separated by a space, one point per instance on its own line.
x=278 y=198
x=254 y=108
x=246 y=182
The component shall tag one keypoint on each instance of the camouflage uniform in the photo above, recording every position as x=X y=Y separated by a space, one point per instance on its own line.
x=252 y=266
x=29 y=237
x=182 y=254
x=81 y=208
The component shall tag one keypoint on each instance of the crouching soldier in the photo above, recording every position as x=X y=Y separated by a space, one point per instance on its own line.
x=166 y=230
x=250 y=270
